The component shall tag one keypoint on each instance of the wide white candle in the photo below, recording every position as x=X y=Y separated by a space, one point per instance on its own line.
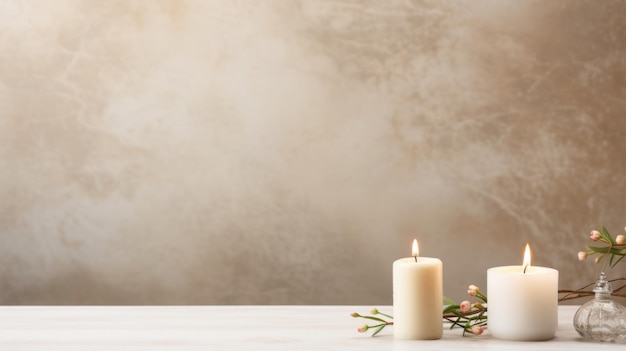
x=523 y=301
x=417 y=297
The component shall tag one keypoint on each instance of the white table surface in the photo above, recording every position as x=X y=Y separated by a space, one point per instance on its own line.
x=251 y=328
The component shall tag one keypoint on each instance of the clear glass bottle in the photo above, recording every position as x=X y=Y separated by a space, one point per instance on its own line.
x=601 y=319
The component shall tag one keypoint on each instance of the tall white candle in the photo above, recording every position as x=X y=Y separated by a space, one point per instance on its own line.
x=523 y=301
x=417 y=297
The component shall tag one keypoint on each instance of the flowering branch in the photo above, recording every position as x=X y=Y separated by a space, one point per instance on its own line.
x=470 y=317
x=379 y=327
x=615 y=249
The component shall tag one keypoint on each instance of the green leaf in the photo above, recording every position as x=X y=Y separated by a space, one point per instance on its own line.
x=605 y=234
x=374 y=319
x=378 y=330
x=450 y=308
x=599 y=249
x=616 y=262
x=449 y=301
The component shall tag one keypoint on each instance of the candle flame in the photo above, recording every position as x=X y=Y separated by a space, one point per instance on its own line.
x=526 y=264
x=416 y=249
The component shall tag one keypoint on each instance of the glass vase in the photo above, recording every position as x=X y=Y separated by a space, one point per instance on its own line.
x=601 y=319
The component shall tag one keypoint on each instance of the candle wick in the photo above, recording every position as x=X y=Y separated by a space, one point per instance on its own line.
x=525 y=266
x=415 y=258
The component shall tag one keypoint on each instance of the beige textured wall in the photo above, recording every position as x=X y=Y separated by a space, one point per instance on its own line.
x=286 y=152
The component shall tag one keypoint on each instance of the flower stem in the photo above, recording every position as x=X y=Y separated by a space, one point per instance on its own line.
x=386 y=315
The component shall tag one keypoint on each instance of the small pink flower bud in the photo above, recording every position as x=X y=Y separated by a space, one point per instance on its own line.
x=465 y=306
x=582 y=255
x=374 y=311
x=472 y=290
x=363 y=328
x=477 y=329
x=620 y=239
x=354 y=314
x=595 y=235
